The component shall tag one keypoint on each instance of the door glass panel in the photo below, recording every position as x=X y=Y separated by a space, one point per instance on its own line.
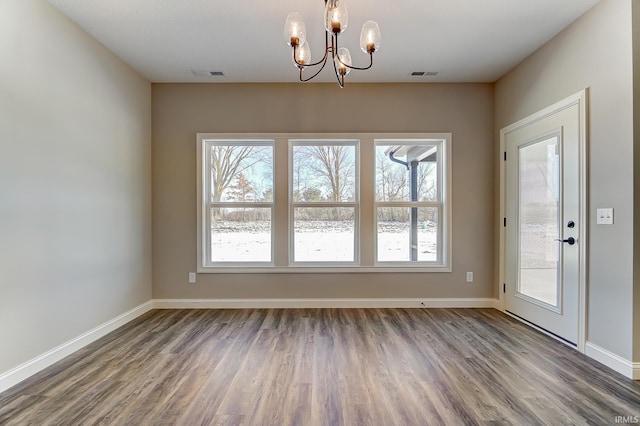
x=539 y=220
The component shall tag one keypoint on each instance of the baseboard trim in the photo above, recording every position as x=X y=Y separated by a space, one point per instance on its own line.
x=323 y=303
x=14 y=376
x=613 y=361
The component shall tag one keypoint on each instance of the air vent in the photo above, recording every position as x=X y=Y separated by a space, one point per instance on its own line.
x=207 y=74
x=423 y=73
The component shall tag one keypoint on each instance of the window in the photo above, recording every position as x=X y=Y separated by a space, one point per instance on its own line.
x=238 y=202
x=326 y=210
x=324 y=201
x=409 y=201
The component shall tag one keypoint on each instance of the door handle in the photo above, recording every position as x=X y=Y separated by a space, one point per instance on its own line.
x=571 y=241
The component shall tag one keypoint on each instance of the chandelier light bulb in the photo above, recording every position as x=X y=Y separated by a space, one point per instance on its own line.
x=303 y=55
x=370 y=37
x=343 y=61
x=295 y=32
x=335 y=13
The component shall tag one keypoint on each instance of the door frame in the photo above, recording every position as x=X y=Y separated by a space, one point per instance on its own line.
x=579 y=99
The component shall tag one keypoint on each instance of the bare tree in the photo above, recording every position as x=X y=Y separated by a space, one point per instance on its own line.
x=334 y=164
x=391 y=179
x=427 y=183
x=299 y=185
x=228 y=161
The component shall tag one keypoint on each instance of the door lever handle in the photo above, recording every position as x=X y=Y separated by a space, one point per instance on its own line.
x=571 y=241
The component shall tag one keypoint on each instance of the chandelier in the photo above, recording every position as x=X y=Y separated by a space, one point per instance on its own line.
x=335 y=22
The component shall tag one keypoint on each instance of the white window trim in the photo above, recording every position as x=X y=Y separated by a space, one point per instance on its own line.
x=204 y=218
x=442 y=141
x=355 y=203
x=366 y=179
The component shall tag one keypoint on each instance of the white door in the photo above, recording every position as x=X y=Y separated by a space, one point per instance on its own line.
x=543 y=221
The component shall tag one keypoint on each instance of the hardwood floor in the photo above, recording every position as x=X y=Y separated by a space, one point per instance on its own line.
x=323 y=367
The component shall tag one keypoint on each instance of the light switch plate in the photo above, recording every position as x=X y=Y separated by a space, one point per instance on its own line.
x=192 y=277
x=604 y=216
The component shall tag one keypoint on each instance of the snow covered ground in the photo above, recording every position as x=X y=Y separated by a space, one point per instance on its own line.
x=317 y=241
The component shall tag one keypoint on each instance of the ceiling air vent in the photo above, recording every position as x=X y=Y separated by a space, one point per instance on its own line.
x=423 y=73
x=207 y=74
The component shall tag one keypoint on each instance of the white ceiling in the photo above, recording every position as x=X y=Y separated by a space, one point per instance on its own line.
x=463 y=40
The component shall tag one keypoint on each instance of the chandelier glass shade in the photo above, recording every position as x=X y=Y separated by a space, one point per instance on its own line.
x=335 y=22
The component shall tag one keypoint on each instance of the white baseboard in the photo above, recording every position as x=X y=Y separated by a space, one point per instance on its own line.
x=613 y=361
x=16 y=375
x=323 y=303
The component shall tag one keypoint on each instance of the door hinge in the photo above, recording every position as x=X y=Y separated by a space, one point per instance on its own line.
x=504 y=287
x=504 y=222
x=505 y=156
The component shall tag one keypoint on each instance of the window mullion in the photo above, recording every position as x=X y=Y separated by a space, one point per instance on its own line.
x=408 y=204
x=321 y=205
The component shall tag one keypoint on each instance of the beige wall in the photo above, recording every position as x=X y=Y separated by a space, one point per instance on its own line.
x=596 y=53
x=75 y=175
x=182 y=110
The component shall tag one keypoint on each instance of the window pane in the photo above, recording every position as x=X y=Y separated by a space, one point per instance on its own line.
x=394 y=178
x=399 y=226
x=324 y=173
x=324 y=234
x=539 y=211
x=240 y=234
x=241 y=173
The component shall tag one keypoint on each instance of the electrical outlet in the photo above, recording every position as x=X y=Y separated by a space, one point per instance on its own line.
x=469 y=277
x=604 y=216
x=192 y=277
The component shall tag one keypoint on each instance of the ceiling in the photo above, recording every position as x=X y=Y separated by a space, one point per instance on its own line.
x=461 y=40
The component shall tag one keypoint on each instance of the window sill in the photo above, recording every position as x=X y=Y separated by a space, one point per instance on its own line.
x=321 y=270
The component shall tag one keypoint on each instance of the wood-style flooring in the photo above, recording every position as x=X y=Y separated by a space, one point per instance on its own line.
x=324 y=367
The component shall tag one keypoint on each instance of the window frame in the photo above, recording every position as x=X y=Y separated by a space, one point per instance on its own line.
x=205 y=264
x=355 y=204
x=366 y=224
x=442 y=189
